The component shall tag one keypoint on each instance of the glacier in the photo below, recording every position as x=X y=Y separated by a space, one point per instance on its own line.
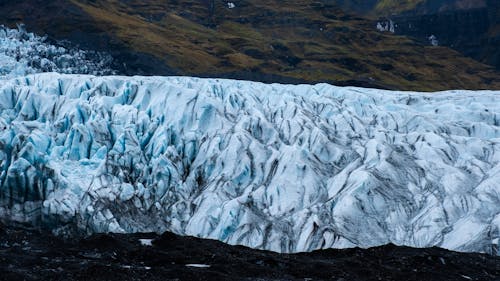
x=287 y=168
x=23 y=52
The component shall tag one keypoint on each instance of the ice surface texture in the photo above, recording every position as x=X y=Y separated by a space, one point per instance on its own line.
x=24 y=53
x=279 y=167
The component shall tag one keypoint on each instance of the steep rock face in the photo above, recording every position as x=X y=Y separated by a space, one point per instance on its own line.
x=278 y=167
x=471 y=31
x=471 y=27
x=462 y=30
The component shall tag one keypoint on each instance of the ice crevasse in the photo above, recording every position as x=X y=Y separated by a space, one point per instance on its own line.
x=287 y=168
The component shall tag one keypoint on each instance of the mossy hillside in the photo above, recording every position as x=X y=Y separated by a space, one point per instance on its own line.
x=307 y=41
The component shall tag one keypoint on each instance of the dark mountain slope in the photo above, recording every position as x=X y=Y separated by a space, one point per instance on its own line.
x=471 y=27
x=392 y=7
x=291 y=41
x=473 y=32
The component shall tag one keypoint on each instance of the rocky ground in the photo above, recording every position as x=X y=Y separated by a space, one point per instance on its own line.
x=28 y=254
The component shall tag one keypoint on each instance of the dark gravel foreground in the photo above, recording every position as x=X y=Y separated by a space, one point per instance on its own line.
x=26 y=254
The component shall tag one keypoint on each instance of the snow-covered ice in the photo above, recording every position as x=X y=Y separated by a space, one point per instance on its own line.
x=279 y=167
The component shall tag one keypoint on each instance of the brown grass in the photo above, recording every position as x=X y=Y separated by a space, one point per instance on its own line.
x=323 y=48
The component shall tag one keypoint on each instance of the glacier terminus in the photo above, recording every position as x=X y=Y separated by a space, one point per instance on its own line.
x=287 y=168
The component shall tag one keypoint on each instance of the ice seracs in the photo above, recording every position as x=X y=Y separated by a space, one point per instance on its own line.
x=279 y=167
x=22 y=52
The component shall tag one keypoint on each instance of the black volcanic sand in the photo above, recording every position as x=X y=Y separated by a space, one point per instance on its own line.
x=27 y=254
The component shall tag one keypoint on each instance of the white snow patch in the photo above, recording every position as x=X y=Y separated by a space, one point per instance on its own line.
x=433 y=40
x=386 y=25
x=198 y=265
x=146 y=242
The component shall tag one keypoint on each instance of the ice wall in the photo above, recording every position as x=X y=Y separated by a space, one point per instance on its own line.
x=279 y=167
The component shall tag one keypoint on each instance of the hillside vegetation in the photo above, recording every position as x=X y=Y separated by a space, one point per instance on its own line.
x=282 y=41
x=395 y=6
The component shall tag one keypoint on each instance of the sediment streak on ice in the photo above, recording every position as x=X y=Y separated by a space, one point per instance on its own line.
x=278 y=167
